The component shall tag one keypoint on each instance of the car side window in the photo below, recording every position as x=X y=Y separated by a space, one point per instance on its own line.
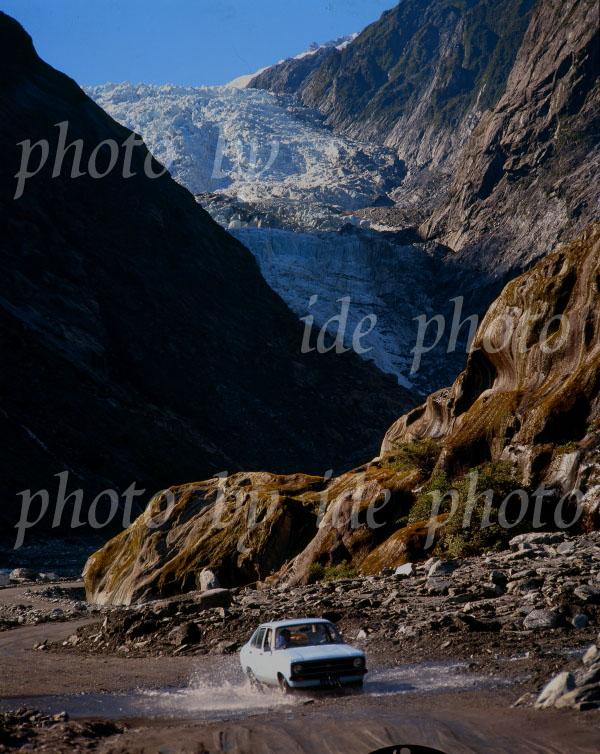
x=267 y=644
x=258 y=638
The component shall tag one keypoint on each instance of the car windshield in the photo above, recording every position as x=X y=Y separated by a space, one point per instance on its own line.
x=307 y=635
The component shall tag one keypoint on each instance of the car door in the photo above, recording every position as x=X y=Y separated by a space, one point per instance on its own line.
x=264 y=670
x=252 y=656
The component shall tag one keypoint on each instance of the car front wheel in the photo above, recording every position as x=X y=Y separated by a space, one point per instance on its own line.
x=254 y=682
x=284 y=685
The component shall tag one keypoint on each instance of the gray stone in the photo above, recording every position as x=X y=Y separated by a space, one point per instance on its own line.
x=214 y=598
x=592 y=655
x=186 y=633
x=443 y=568
x=587 y=593
x=565 y=548
x=541 y=619
x=438 y=586
x=590 y=676
x=498 y=578
x=580 y=621
x=49 y=577
x=536 y=538
x=208 y=580
x=23 y=574
x=552 y=691
x=406 y=570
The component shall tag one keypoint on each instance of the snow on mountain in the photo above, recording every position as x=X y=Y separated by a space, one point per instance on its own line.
x=338 y=43
x=242 y=81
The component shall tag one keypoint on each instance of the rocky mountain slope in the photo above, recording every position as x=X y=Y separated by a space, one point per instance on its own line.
x=528 y=178
x=416 y=80
x=523 y=416
x=141 y=342
x=493 y=107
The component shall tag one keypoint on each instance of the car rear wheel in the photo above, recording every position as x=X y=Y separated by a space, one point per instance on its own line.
x=284 y=686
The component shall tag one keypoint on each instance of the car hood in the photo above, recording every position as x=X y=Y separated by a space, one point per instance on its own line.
x=321 y=652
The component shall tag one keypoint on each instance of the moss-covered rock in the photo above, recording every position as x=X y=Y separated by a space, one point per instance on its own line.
x=242 y=527
x=529 y=393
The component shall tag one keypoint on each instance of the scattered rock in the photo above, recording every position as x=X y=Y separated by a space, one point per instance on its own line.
x=536 y=538
x=18 y=575
x=559 y=685
x=539 y=620
x=214 y=598
x=587 y=593
x=580 y=621
x=406 y=570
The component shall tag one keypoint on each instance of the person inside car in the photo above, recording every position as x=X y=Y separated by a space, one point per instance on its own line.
x=283 y=639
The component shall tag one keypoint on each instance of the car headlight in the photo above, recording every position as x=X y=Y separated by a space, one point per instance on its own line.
x=358 y=662
x=296 y=669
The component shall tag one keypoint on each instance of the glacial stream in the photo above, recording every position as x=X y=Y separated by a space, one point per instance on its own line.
x=227 y=694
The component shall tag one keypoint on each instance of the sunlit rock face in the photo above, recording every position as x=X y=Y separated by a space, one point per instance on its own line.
x=244 y=527
x=417 y=80
x=529 y=393
x=527 y=179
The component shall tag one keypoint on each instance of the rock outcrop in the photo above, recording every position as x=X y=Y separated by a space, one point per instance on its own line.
x=142 y=343
x=529 y=393
x=245 y=528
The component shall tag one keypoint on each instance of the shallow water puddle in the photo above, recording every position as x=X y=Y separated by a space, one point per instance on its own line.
x=228 y=694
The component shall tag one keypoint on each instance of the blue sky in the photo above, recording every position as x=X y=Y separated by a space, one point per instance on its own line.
x=186 y=42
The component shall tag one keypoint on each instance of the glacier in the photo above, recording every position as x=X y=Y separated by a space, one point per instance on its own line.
x=288 y=188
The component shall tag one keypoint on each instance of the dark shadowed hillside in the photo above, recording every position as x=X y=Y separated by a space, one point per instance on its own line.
x=139 y=340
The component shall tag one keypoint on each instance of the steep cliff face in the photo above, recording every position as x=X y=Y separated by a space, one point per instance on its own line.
x=416 y=80
x=528 y=178
x=524 y=413
x=140 y=341
x=530 y=392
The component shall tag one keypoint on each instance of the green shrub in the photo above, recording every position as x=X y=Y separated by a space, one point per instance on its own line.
x=567 y=447
x=480 y=495
x=418 y=454
x=319 y=572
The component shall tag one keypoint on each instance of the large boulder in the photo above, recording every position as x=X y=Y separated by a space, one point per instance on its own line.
x=242 y=528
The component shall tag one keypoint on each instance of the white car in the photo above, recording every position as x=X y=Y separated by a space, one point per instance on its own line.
x=301 y=653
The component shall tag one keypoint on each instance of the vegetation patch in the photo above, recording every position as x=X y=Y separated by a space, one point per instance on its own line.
x=418 y=454
x=319 y=572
